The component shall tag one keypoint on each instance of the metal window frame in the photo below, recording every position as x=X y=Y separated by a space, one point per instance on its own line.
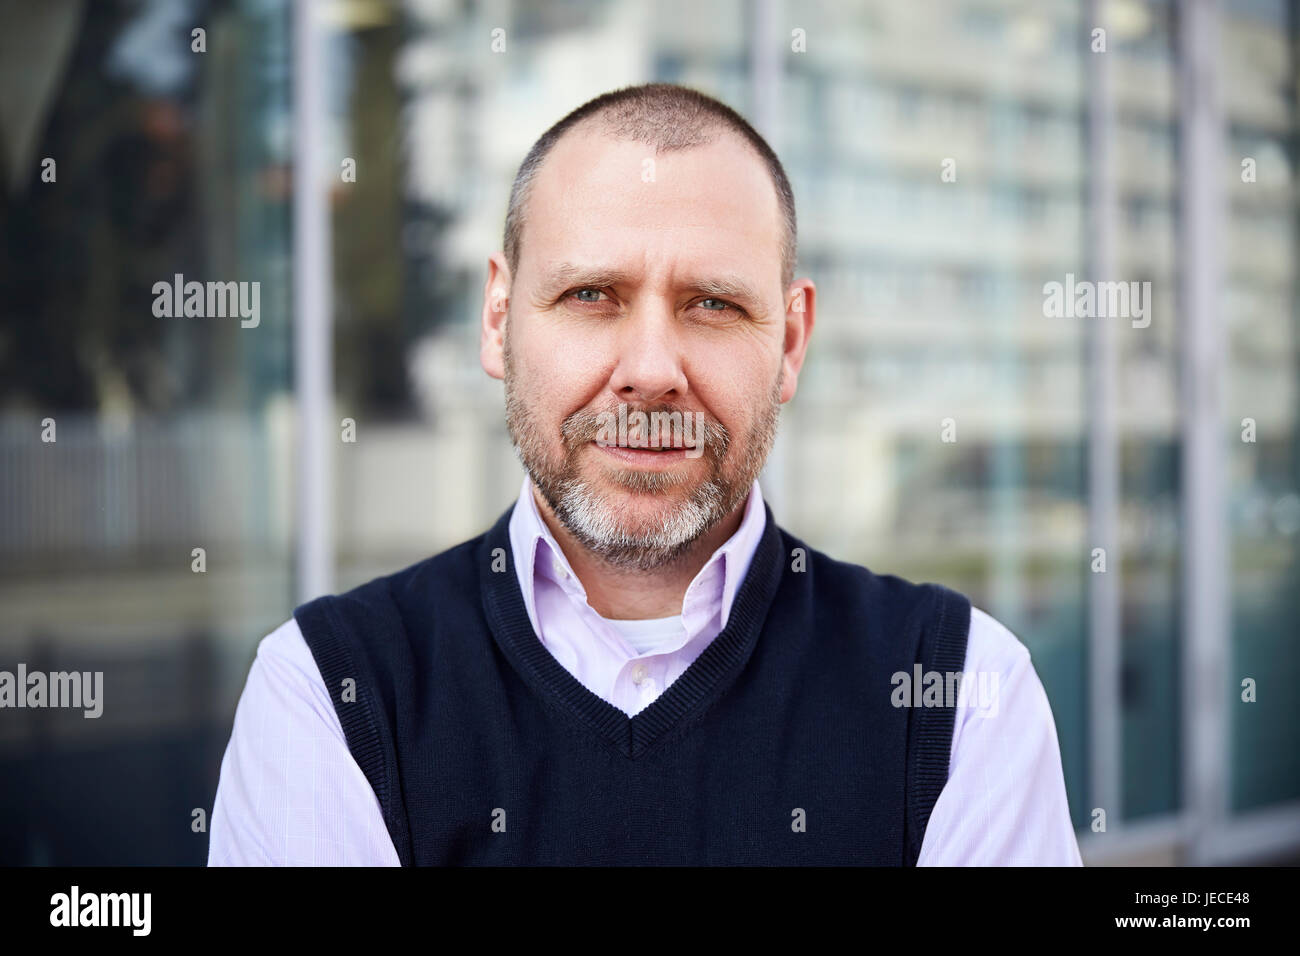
x=1104 y=740
x=1205 y=572
x=312 y=308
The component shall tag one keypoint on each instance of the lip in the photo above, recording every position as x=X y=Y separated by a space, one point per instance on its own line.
x=643 y=457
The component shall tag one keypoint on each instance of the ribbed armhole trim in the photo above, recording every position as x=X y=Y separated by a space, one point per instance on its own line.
x=942 y=649
x=325 y=634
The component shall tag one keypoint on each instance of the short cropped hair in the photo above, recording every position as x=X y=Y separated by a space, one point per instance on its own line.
x=667 y=117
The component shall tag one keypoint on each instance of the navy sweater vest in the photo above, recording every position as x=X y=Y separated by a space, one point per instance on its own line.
x=779 y=745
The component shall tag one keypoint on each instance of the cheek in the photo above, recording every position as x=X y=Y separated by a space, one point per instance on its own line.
x=559 y=370
x=735 y=384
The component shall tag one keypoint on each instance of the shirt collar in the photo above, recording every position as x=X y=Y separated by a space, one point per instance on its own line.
x=538 y=554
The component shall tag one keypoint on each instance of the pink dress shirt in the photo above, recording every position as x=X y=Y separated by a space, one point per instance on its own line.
x=595 y=649
x=290 y=792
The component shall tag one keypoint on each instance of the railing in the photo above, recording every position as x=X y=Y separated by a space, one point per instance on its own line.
x=96 y=494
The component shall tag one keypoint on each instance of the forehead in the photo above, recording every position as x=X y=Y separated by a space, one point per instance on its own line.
x=619 y=204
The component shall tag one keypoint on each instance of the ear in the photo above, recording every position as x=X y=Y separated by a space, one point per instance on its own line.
x=496 y=302
x=800 y=313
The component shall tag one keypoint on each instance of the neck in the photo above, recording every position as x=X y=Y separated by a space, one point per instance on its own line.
x=624 y=594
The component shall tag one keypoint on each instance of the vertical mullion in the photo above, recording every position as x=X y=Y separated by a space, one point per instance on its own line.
x=1105 y=743
x=1205 y=564
x=313 y=341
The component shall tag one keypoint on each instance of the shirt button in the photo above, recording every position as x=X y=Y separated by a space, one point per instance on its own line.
x=638 y=673
x=559 y=569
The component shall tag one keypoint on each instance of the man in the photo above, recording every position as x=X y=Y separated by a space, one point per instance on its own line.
x=636 y=665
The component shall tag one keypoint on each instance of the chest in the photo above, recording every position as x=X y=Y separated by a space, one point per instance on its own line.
x=790 y=766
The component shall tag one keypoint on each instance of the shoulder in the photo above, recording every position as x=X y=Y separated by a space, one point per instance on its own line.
x=990 y=645
x=285 y=648
x=286 y=731
x=285 y=675
x=1005 y=801
x=1003 y=684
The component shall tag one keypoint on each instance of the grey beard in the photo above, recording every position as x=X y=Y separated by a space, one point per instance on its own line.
x=594 y=521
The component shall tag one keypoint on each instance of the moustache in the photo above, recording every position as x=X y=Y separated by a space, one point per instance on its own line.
x=660 y=426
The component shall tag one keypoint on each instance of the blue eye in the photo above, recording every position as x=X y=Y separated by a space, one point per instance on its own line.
x=592 y=296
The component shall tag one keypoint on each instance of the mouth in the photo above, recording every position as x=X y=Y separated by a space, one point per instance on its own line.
x=650 y=456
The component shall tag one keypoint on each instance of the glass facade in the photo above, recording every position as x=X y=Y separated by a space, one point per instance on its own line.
x=1260 y=430
x=939 y=158
x=145 y=461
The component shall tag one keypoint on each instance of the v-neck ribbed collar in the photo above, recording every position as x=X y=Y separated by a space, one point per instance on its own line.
x=706 y=678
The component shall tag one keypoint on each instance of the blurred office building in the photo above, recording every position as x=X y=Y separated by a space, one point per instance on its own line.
x=949 y=161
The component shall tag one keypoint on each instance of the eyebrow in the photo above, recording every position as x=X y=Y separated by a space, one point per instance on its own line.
x=566 y=275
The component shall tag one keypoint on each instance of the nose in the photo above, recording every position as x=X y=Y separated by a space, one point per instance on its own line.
x=650 y=365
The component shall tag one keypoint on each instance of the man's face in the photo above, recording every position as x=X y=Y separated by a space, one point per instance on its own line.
x=651 y=281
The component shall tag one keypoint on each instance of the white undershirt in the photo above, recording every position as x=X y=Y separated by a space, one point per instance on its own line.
x=649 y=635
